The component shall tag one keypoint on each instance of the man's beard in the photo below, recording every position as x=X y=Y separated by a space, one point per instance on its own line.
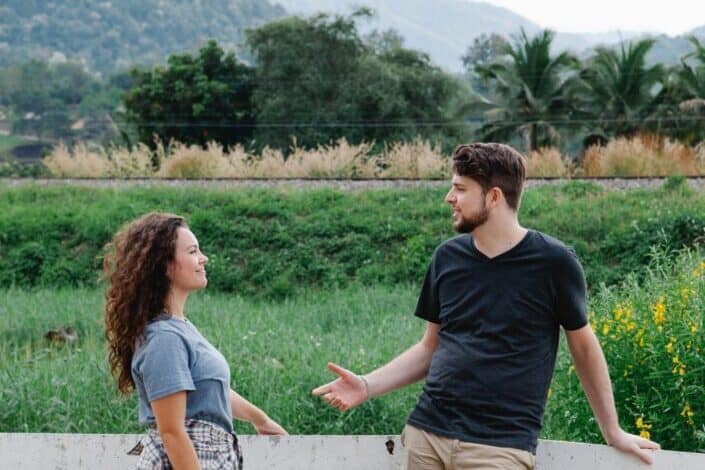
x=468 y=224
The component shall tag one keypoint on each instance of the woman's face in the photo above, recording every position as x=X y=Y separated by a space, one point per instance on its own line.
x=187 y=272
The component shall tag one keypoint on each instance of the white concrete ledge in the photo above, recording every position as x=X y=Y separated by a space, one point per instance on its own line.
x=109 y=451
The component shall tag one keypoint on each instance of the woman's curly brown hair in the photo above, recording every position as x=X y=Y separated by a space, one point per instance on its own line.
x=135 y=266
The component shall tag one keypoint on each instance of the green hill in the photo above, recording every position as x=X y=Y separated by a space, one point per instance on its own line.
x=110 y=35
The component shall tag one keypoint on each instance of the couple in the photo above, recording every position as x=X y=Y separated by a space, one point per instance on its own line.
x=493 y=302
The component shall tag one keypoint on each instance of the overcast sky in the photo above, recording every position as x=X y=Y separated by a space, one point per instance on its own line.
x=597 y=16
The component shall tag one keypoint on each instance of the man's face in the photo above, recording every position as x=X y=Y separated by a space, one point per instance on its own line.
x=467 y=199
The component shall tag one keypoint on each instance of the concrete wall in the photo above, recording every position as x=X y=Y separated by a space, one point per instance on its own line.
x=109 y=451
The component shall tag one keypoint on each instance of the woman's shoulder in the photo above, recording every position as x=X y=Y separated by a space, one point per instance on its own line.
x=166 y=329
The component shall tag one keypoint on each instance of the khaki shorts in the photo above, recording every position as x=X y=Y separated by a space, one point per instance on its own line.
x=427 y=451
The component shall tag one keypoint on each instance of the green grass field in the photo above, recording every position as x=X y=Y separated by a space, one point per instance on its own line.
x=301 y=278
x=277 y=353
x=7 y=142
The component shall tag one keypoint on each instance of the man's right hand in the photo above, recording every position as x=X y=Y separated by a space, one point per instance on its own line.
x=345 y=392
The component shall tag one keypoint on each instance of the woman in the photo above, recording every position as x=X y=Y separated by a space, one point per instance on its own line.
x=182 y=381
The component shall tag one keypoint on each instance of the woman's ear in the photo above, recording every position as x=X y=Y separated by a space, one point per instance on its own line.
x=170 y=270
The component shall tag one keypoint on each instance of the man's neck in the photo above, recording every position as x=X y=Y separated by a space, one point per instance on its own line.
x=495 y=237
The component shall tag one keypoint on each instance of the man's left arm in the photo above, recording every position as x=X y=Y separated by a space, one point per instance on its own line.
x=592 y=370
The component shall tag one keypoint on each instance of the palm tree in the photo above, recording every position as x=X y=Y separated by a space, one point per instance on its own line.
x=528 y=88
x=618 y=90
x=693 y=76
x=686 y=104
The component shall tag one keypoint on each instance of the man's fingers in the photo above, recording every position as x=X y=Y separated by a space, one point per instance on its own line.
x=646 y=455
x=322 y=389
x=647 y=444
x=340 y=371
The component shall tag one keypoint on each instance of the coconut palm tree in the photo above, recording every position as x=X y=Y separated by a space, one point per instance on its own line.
x=617 y=90
x=528 y=91
x=693 y=73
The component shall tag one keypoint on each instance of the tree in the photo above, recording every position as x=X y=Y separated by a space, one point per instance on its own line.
x=303 y=67
x=691 y=101
x=37 y=101
x=529 y=90
x=193 y=99
x=318 y=80
x=484 y=50
x=618 y=90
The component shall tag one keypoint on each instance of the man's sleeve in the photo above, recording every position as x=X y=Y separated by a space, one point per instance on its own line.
x=165 y=367
x=571 y=291
x=428 y=306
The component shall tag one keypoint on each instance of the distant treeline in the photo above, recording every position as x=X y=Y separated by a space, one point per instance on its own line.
x=310 y=81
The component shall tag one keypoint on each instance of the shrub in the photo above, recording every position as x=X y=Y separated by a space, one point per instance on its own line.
x=652 y=335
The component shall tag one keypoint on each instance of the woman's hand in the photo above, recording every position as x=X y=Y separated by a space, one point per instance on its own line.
x=269 y=427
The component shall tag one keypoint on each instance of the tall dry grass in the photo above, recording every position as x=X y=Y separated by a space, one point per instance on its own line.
x=644 y=156
x=548 y=162
x=78 y=162
x=417 y=159
x=82 y=161
x=341 y=159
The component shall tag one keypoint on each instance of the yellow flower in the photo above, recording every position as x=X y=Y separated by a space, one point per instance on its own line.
x=605 y=328
x=643 y=428
x=693 y=328
x=687 y=412
x=669 y=346
x=659 y=310
x=679 y=367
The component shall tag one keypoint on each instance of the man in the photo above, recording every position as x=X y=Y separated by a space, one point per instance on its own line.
x=493 y=301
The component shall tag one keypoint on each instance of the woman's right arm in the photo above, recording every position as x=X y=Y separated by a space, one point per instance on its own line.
x=170 y=413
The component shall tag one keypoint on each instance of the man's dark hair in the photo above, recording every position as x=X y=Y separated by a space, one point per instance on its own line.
x=492 y=165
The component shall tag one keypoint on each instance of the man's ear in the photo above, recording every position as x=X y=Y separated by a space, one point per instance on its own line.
x=495 y=195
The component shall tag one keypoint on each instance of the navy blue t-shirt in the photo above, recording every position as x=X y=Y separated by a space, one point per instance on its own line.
x=499 y=328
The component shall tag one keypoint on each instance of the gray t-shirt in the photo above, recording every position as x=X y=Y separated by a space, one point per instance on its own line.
x=175 y=357
x=499 y=325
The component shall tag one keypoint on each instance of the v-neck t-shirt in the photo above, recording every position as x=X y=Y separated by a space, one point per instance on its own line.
x=499 y=328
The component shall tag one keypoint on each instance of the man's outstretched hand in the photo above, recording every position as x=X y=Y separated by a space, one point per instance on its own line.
x=345 y=392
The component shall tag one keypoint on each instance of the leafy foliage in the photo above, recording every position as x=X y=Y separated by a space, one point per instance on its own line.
x=317 y=80
x=272 y=243
x=619 y=89
x=194 y=99
x=529 y=90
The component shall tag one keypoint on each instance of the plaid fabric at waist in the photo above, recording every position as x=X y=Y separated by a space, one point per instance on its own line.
x=215 y=448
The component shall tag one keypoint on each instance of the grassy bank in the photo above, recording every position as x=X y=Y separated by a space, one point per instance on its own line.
x=651 y=332
x=274 y=243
